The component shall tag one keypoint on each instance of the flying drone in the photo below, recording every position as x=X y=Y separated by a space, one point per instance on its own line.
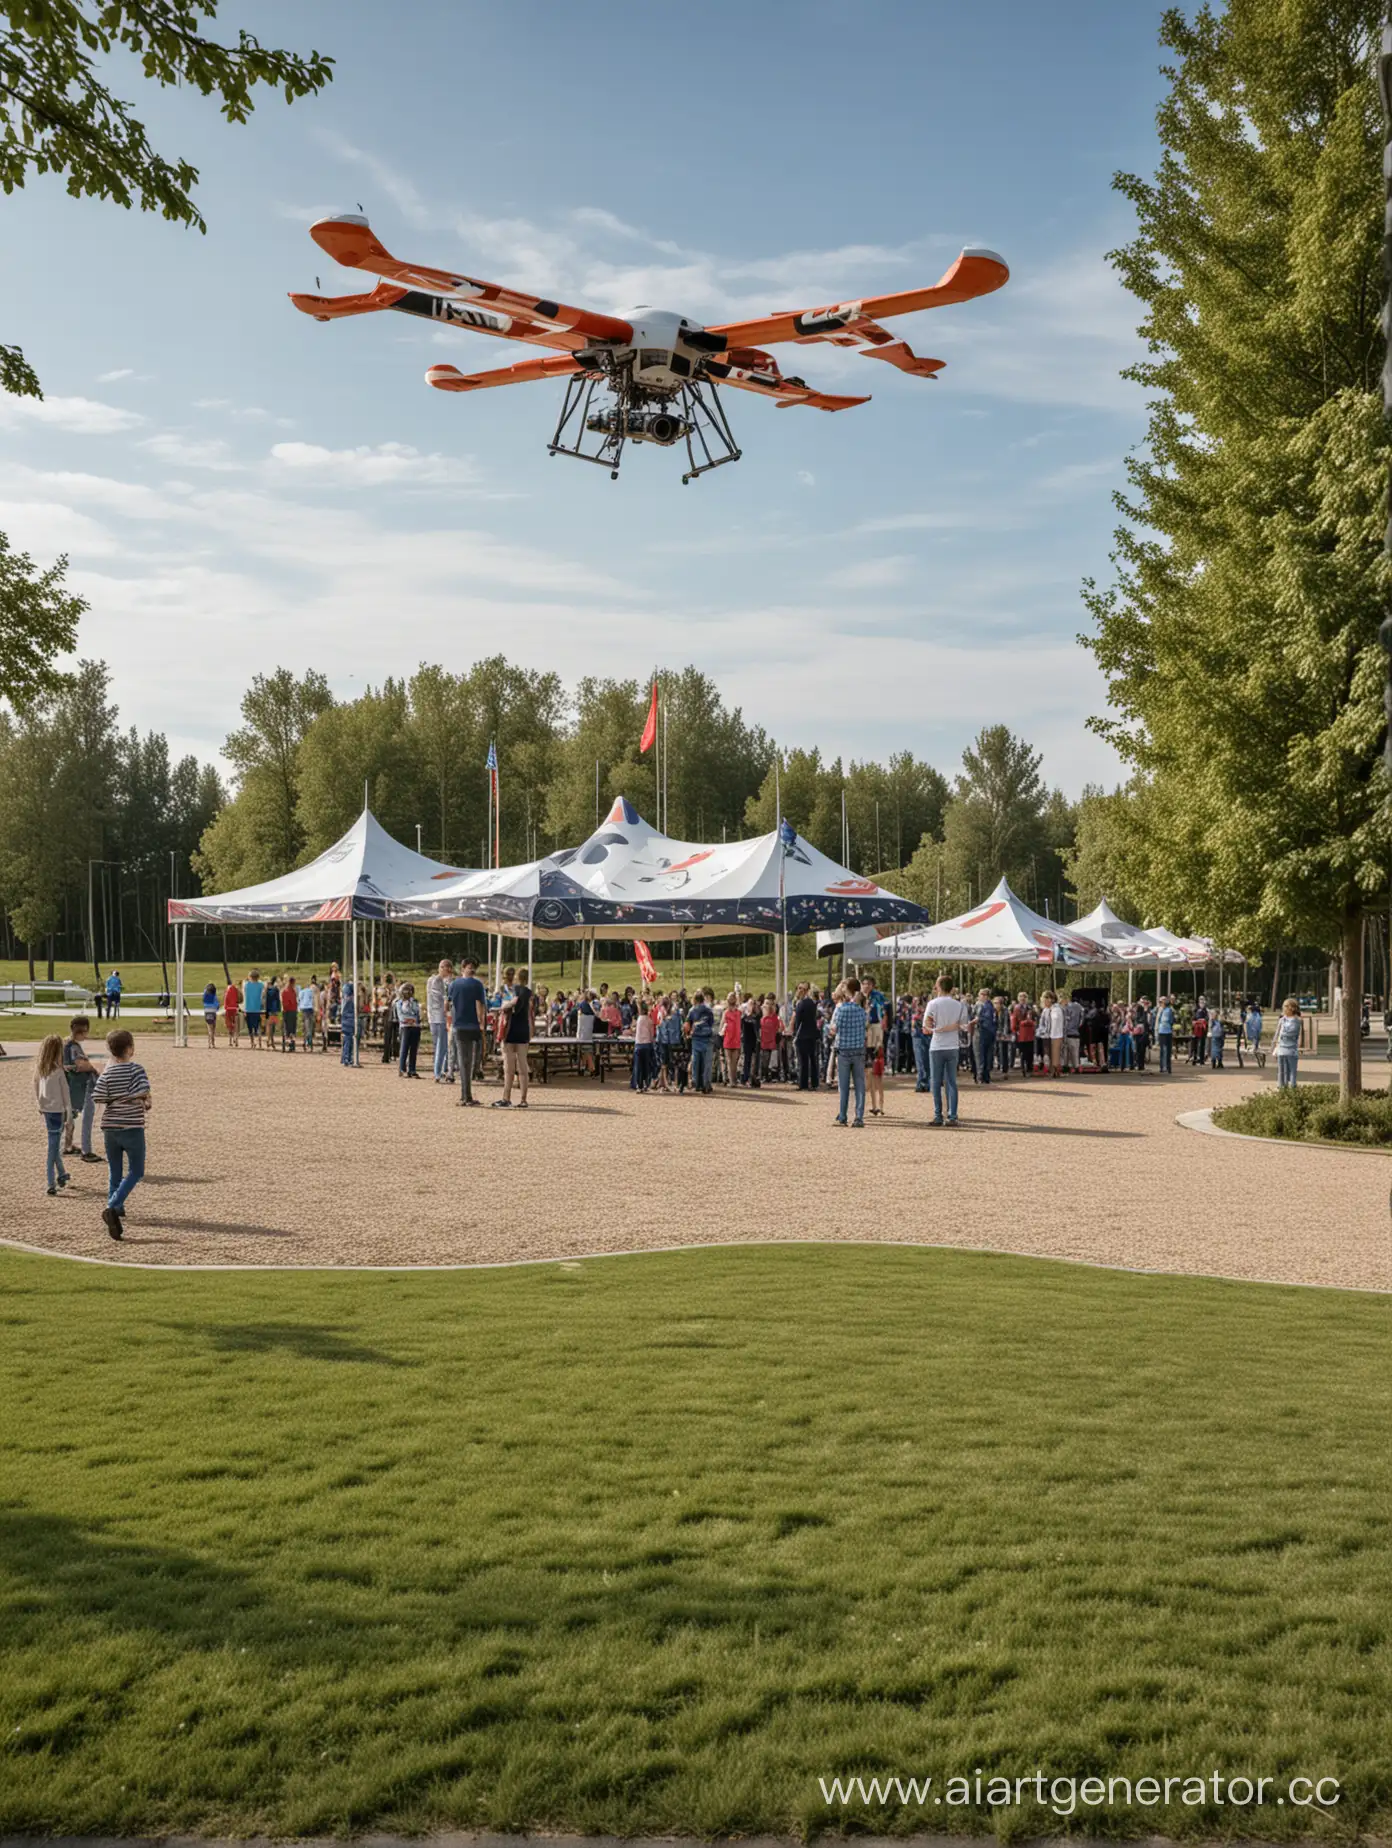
x=648 y=376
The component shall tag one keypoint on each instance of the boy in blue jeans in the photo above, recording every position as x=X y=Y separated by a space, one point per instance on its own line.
x=123 y=1090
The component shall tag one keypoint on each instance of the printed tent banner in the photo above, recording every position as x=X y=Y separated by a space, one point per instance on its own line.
x=1196 y=951
x=1002 y=929
x=536 y=896
x=774 y=882
x=355 y=878
x=1129 y=942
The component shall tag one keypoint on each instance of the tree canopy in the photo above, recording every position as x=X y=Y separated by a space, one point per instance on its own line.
x=38 y=623
x=1240 y=635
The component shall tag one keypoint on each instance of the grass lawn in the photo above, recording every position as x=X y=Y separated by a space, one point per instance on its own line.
x=650 y=1544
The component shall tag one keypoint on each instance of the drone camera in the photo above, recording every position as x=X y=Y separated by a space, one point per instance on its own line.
x=661 y=427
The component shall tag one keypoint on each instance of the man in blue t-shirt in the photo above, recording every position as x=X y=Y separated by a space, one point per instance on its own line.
x=253 y=1000
x=700 y=1024
x=468 y=1010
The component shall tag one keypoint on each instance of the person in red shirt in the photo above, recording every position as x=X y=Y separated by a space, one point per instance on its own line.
x=231 y=1009
x=768 y=1039
x=1022 y=1022
x=730 y=1039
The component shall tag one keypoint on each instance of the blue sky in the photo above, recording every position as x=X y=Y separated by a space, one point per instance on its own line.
x=239 y=487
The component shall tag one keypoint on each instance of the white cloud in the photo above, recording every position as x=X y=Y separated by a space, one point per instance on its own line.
x=806 y=478
x=120 y=372
x=874 y=573
x=190 y=452
x=375 y=465
x=46 y=528
x=79 y=416
x=241 y=413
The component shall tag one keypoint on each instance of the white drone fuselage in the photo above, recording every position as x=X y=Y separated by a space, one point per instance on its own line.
x=658 y=340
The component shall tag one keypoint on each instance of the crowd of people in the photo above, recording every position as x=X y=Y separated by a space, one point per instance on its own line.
x=675 y=1042
x=749 y=1039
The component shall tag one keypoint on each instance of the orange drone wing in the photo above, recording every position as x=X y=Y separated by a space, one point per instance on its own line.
x=554 y=366
x=441 y=295
x=855 y=324
x=785 y=392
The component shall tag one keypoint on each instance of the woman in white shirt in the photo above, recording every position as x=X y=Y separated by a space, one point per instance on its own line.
x=1051 y=1030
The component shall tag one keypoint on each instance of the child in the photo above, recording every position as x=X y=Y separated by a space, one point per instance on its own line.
x=644 y=1035
x=1286 y=1042
x=272 y=1012
x=210 y=1013
x=290 y=1013
x=123 y=1090
x=253 y=1001
x=81 y=1075
x=231 y=1008
x=875 y=1076
x=51 y=1094
x=1217 y=1033
x=768 y=1039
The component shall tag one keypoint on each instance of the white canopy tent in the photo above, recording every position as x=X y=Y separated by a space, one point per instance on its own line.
x=353 y=880
x=777 y=883
x=629 y=881
x=1138 y=948
x=1002 y=929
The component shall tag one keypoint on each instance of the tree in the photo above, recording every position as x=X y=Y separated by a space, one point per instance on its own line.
x=1240 y=635
x=994 y=826
x=598 y=760
x=58 y=115
x=38 y=622
x=361 y=742
x=58 y=798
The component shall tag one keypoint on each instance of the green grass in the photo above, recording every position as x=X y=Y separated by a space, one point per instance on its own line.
x=1312 y=1113
x=651 y=1544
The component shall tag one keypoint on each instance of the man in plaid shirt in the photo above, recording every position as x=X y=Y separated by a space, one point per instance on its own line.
x=848 y=1030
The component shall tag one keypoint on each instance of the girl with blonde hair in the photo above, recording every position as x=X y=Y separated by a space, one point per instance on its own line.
x=51 y=1095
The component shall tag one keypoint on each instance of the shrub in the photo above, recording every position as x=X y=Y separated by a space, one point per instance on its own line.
x=1312 y=1113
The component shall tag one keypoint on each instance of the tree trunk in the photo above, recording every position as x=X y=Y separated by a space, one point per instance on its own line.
x=1351 y=1010
x=225 y=970
x=30 y=948
x=1275 y=980
x=50 y=956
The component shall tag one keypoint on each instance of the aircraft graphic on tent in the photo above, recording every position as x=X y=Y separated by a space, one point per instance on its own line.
x=773 y=882
x=355 y=878
x=1002 y=929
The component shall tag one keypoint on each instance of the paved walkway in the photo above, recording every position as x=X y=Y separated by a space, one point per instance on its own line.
x=268 y=1159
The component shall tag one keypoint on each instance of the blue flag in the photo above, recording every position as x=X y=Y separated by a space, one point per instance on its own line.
x=492 y=763
x=787 y=833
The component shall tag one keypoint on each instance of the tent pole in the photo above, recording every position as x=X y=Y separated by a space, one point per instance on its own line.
x=178 y=984
x=357 y=995
x=531 y=972
x=893 y=980
x=683 y=957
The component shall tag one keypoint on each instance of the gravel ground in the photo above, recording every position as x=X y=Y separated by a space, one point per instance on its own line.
x=264 y=1159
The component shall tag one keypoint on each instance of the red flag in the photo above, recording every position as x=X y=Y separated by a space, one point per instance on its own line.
x=647 y=968
x=650 y=729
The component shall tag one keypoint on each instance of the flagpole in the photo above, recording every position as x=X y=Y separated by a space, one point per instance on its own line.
x=780 y=982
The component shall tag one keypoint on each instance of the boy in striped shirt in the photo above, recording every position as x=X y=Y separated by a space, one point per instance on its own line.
x=123 y=1091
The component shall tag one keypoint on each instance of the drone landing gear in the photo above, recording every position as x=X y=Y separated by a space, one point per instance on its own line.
x=709 y=430
x=597 y=430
